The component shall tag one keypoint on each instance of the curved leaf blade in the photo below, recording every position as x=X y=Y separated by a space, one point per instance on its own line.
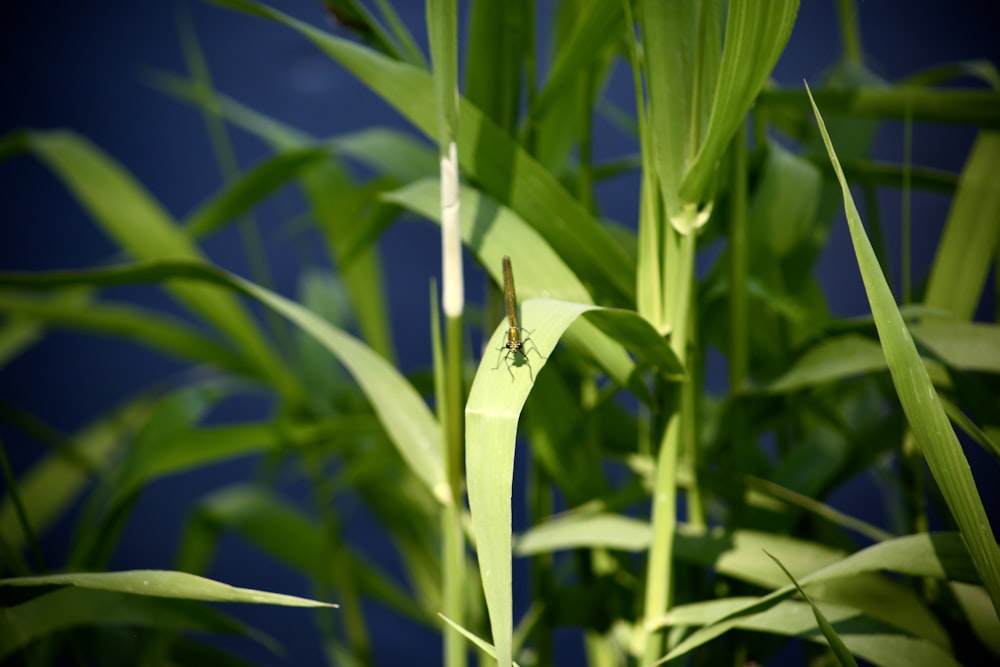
x=863 y=637
x=142 y=227
x=486 y=153
x=756 y=34
x=971 y=235
x=163 y=584
x=70 y=607
x=492 y=413
x=406 y=418
x=923 y=409
x=132 y=323
x=836 y=643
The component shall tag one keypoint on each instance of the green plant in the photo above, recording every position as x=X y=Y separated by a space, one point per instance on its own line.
x=833 y=396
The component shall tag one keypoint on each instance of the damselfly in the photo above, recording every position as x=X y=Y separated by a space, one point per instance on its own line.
x=514 y=345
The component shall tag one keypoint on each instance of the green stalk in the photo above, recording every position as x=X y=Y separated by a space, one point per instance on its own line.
x=905 y=214
x=659 y=578
x=442 y=27
x=739 y=334
x=649 y=286
x=850 y=30
x=585 y=177
x=690 y=392
x=454 y=570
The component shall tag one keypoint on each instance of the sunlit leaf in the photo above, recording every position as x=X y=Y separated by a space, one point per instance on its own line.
x=923 y=410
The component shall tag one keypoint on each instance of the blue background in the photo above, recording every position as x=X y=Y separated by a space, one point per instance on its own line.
x=80 y=66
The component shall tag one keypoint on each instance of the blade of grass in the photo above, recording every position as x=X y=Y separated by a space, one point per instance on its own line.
x=492 y=231
x=476 y=641
x=492 y=413
x=972 y=107
x=337 y=203
x=936 y=438
x=836 y=643
x=132 y=323
x=971 y=235
x=163 y=584
x=499 y=35
x=487 y=154
x=247 y=190
x=681 y=56
x=50 y=487
x=596 y=26
x=406 y=418
x=866 y=638
x=941 y=555
x=138 y=223
x=70 y=607
x=756 y=34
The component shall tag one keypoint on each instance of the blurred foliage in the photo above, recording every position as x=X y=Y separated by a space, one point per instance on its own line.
x=665 y=520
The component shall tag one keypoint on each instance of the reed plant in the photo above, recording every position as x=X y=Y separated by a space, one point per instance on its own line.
x=664 y=522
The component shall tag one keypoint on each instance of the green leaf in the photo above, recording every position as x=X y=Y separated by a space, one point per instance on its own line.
x=475 y=640
x=836 y=643
x=17 y=333
x=611 y=531
x=967 y=345
x=72 y=607
x=498 y=38
x=971 y=237
x=941 y=555
x=336 y=202
x=131 y=323
x=492 y=412
x=163 y=584
x=596 y=26
x=973 y=107
x=442 y=30
x=389 y=152
x=487 y=154
x=50 y=487
x=140 y=225
x=243 y=194
x=493 y=231
x=866 y=638
x=406 y=418
x=680 y=44
x=756 y=34
x=938 y=442
x=831 y=359
x=784 y=206
x=192 y=448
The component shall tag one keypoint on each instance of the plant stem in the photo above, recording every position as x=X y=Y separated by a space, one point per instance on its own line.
x=659 y=576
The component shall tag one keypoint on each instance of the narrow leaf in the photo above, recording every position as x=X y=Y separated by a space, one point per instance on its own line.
x=487 y=154
x=971 y=235
x=71 y=607
x=923 y=410
x=402 y=411
x=163 y=584
x=839 y=650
